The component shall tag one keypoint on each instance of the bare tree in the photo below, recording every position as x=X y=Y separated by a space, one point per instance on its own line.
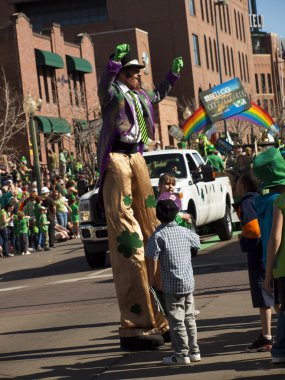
x=12 y=117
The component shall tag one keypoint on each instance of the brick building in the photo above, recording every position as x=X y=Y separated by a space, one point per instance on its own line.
x=181 y=27
x=174 y=28
x=269 y=69
x=62 y=74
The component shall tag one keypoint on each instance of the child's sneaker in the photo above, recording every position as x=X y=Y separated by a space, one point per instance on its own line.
x=195 y=357
x=176 y=360
x=261 y=344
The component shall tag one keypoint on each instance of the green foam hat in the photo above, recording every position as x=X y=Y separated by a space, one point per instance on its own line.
x=269 y=168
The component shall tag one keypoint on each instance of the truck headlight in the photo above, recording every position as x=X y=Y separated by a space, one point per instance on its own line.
x=84 y=216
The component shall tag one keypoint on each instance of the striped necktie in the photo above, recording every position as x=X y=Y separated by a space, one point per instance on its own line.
x=140 y=118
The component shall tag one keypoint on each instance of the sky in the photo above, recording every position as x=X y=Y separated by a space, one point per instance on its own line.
x=273 y=12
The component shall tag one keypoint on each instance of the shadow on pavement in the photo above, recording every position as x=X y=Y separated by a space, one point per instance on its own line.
x=70 y=265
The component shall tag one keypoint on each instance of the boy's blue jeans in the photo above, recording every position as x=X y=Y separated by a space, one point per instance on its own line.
x=182 y=323
x=278 y=348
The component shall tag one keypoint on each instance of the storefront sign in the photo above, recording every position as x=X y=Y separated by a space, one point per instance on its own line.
x=256 y=21
x=225 y=100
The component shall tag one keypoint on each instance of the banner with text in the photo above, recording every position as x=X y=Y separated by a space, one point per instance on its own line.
x=225 y=100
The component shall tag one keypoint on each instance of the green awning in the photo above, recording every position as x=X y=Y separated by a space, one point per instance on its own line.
x=83 y=124
x=59 y=125
x=78 y=64
x=43 y=124
x=48 y=124
x=47 y=58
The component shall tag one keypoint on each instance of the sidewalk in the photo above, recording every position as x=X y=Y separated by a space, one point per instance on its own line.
x=226 y=325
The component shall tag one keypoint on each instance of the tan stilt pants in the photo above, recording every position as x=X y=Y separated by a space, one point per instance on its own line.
x=130 y=223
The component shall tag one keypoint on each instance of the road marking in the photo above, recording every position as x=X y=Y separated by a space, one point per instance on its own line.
x=98 y=272
x=92 y=276
x=14 y=288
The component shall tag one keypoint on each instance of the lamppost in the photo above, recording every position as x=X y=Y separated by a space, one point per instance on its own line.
x=30 y=106
x=220 y=3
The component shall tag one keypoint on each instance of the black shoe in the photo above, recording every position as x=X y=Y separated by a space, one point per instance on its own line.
x=142 y=342
x=47 y=248
x=261 y=344
x=166 y=337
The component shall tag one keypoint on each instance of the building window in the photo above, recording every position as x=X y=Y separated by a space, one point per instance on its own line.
x=263 y=84
x=265 y=104
x=192 y=7
x=256 y=84
x=216 y=56
x=229 y=61
x=272 y=110
x=220 y=17
x=243 y=67
x=243 y=31
x=197 y=60
x=258 y=102
x=63 y=12
x=211 y=54
x=269 y=82
x=225 y=60
x=202 y=9
x=240 y=67
x=233 y=63
x=207 y=11
x=228 y=17
x=225 y=21
x=206 y=51
x=212 y=14
x=77 y=90
x=239 y=26
x=236 y=24
x=47 y=84
x=247 y=70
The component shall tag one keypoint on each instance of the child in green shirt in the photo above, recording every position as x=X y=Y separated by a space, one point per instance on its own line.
x=74 y=216
x=43 y=227
x=23 y=231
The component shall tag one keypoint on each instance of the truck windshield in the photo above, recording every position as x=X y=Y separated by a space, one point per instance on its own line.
x=166 y=163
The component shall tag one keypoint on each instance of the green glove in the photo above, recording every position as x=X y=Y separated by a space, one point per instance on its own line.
x=177 y=65
x=121 y=51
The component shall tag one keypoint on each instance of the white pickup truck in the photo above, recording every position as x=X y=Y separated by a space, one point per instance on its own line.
x=206 y=198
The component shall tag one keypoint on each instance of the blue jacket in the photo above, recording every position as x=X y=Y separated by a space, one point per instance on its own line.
x=264 y=208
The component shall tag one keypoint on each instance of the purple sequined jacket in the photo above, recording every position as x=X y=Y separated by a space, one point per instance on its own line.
x=116 y=111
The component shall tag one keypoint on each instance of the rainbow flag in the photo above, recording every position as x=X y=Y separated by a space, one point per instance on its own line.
x=199 y=119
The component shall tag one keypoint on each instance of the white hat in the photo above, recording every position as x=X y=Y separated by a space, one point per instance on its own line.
x=34 y=190
x=45 y=190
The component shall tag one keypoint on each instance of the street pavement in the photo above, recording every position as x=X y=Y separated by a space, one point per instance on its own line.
x=54 y=329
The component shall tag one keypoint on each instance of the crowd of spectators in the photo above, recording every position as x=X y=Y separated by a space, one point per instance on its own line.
x=30 y=221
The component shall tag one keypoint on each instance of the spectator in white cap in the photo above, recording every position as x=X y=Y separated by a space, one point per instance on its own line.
x=48 y=203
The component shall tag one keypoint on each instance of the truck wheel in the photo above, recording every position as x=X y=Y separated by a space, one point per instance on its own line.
x=224 y=226
x=94 y=259
x=194 y=251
